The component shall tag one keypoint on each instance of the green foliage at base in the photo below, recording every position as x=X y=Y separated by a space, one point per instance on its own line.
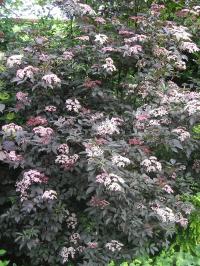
x=185 y=251
x=167 y=258
x=3 y=262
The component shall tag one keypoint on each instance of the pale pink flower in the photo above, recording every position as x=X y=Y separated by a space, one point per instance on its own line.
x=101 y=39
x=182 y=133
x=114 y=245
x=100 y=20
x=66 y=161
x=180 y=32
x=181 y=220
x=66 y=253
x=109 y=65
x=165 y=214
x=111 y=181
x=51 y=80
x=73 y=105
x=193 y=107
x=30 y=177
x=50 y=108
x=12 y=156
x=151 y=165
x=142 y=116
x=135 y=141
x=11 y=129
x=27 y=72
x=160 y=51
x=87 y=10
x=44 y=57
x=132 y=50
x=63 y=148
x=49 y=195
x=72 y=221
x=74 y=238
x=93 y=151
x=83 y=38
x=183 y=12
x=189 y=46
x=92 y=245
x=107 y=127
x=108 y=49
x=67 y=55
x=160 y=111
x=36 y=121
x=168 y=189
x=14 y=60
x=22 y=97
x=135 y=38
x=180 y=65
x=156 y=9
x=126 y=33
x=120 y=161
x=43 y=131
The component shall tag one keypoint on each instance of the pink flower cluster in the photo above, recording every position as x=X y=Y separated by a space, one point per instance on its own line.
x=182 y=133
x=51 y=80
x=108 y=127
x=66 y=252
x=12 y=156
x=50 y=108
x=83 y=38
x=43 y=131
x=73 y=105
x=49 y=195
x=156 y=9
x=67 y=55
x=72 y=221
x=111 y=181
x=136 y=38
x=114 y=245
x=14 y=60
x=135 y=141
x=100 y=203
x=30 y=177
x=36 y=121
x=151 y=165
x=165 y=214
x=126 y=33
x=109 y=66
x=92 y=245
x=100 y=20
x=27 y=72
x=44 y=57
x=66 y=161
x=87 y=10
x=74 y=238
x=168 y=189
x=132 y=50
x=63 y=148
x=101 y=39
x=11 y=129
x=93 y=151
x=189 y=46
x=120 y=161
x=160 y=51
x=22 y=97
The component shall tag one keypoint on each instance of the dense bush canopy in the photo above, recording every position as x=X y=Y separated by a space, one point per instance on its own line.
x=100 y=128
